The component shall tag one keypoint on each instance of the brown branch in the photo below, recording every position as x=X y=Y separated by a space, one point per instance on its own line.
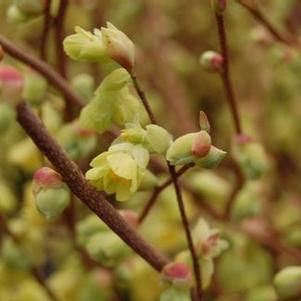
x=284 y=38
x=77 y=183
x=225 y=73
x=34 y=270
x=44 y=69
x=195 y=261
x=152 y=200
x=45 y=32
x=59 y=37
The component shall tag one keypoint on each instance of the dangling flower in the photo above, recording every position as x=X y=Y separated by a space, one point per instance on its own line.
x=119 y=170
x=113 y=103
x=103 y=44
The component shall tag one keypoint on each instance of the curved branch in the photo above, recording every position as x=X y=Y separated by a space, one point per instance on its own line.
x=44 y=69
x=77 y=183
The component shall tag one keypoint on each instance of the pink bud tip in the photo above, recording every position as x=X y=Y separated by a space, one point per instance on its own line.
x=176 y=271
x=9 y=74
x=243 y=139
x=46 y=177
x=201 y=144
x=130 y=217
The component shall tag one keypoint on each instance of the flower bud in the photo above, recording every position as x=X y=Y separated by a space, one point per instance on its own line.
x=83 y=84
x=7 y=116
x=212 y=61
x=287 y=283
x=118 y=46
x=251 y=156
x=175 y=294
x=51 y=194
x=158 y=138
x=204 y=122
x=15 y=15
x=31 y=7
x=107 y=248
x=201 y=144
x=34 y=88
x=177 y=273
x=130 y=217
x=212 y=159
x=2 y=53
x=219 y=6
x=11 y=83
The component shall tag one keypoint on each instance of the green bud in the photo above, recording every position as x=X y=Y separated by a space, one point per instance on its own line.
x=212 y=159
x=83 y=84
x=251 y=156
x=15 y=15
x=175 y=294
x=14 y=256
x=31 y=7
x=179 y=153
x=7 y=116
x=287 y=283
x=219 y=6
x=262 y=293
x=88 y=227
x=51 y=194
x=107 y=248
x=34 y=88
x=212 y=61
x=158 y=138
x=201 y=144
x=204 y=122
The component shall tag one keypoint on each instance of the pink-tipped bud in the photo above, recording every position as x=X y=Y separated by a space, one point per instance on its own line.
x=201 y=144
x=46 y=177
x=243 y=139
x=204 y=122
x=219 y=6
x=130 y=217
x=11 y=83
x=177 y=273
x=212 y=61
x=2 y=53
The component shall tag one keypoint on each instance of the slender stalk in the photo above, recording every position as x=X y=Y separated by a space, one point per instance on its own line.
x=77 y=183
x=143 y=99
x=225 y=74
x=282 y=37
x=34 y=270
x=173 y=174
x=185 y=222
x=152 y=200
x=45 y=32
x=59 y=37
x=72 y=99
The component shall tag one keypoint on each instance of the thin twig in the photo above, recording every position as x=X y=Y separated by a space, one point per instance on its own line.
x=77 y=183
x=172 y=173
x=185 y=222
x=225 y=73
x=59 y=37
x=45 y=32
x=143 y=98
x=152 y=200
x=284 y=38
x=44 y=69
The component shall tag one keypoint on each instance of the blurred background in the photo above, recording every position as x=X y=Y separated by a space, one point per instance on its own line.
x=264 y=226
